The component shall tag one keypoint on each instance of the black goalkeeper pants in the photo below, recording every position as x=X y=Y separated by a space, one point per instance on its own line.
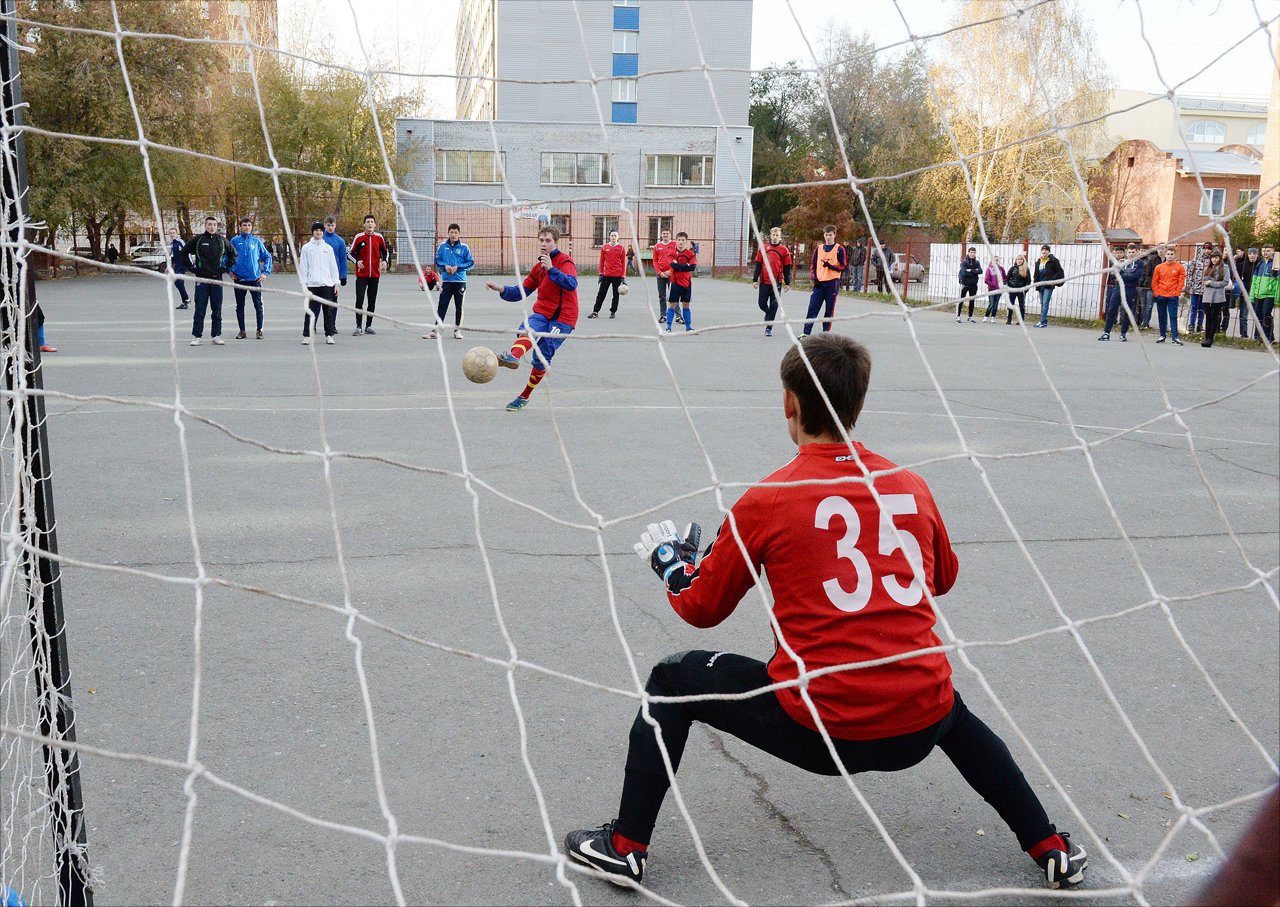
x=980 y=756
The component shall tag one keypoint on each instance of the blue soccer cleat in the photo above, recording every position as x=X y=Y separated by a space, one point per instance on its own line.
x=517 y=404
x=506 y=360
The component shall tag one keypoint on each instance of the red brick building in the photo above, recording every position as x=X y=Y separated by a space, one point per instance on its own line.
x=1156 y=194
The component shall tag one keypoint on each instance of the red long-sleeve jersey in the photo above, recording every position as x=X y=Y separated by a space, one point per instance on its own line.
x=843 y=589
x=778 y=267
x=554 y=301
x=369 y=250
x=613 y=260
x=682 y=264
x=663 y=252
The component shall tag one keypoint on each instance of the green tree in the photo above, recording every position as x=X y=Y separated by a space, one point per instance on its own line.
x=782 y=105
x=878 y=111
x=73 y=84
x=321 y=122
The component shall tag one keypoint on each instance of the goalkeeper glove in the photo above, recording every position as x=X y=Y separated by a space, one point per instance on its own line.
x=669 y=553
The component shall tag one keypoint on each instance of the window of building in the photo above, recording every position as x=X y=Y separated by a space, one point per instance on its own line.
x=626 y=2
x=566 y=168
x=657 y=224
x=239 y=8
x=1248 y=200
x=561 y=223
x=624 y=89
x=624 y=111
x=1207 y=131
x=679 y=170
x=601 y=226
x=626 y=42
x=1257 y=135
x=204 y=9
x=1213 y=201
x=468 y=166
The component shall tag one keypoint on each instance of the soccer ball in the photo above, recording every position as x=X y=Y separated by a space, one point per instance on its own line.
x=623 y=289
x=480 y=364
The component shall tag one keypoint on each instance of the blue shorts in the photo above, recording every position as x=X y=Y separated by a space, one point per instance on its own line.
x=553 y=333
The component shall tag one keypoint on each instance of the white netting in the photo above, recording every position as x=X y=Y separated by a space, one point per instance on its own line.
x=548 y=753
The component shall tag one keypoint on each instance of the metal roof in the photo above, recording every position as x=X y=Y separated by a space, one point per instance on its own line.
x=1224 y=106
x=1223 y=163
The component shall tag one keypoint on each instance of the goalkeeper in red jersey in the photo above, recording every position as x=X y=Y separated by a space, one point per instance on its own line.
x=852 y=581
x=554 y=315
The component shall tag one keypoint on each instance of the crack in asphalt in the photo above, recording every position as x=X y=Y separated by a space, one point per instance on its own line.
x=761 y=796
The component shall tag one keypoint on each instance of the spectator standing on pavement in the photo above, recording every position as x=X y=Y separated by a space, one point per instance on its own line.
x=369 y=250
x=252 y=265
x=994 y=277
x=211 y=257
x=1048 y=277
x=181 y=264
x=970 y=272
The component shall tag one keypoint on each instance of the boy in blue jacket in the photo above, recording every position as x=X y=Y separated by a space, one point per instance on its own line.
x=253 y=263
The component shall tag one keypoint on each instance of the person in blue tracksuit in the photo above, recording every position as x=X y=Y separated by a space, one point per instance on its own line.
x=339 y=247
x=253 y=264
x=453 y=261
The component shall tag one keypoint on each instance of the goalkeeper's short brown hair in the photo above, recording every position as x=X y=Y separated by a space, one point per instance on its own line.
x=843 y=366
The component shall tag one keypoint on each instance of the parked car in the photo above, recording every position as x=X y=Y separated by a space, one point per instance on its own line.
x=84 y=252
x=152 y=257
x=915 y=272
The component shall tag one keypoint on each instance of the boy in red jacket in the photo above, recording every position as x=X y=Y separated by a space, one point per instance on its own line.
x=613 y=270
x=368 y=250
x=663 y=251
x=853 y=576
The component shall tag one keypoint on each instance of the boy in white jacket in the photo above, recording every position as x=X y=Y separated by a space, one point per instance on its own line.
x=318 y=271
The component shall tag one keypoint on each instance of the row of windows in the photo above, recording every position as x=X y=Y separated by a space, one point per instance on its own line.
x=604 y=224
x=1214 y=201
x=1211 y=132
x=568 y=168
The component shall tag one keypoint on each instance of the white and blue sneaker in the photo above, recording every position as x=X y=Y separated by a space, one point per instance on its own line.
x=594 y=847
x=506 y=360
x=517 y=404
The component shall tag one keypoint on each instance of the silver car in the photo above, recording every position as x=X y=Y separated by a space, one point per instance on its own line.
x=915 y=272
x=151 y=257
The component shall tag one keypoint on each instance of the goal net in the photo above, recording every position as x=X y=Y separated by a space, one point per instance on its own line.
x=332 y=623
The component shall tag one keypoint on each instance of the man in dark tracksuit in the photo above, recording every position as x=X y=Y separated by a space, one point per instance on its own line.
x=211 y=256
x=181 y=264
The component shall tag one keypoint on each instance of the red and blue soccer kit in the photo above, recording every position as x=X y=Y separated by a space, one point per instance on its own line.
x=554 y=315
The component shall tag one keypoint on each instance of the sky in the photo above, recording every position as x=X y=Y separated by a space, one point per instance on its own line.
x=418 y=36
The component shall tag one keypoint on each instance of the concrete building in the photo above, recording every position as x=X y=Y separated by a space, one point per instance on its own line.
x=1156 y=195
x=636 y=179
x=554 y=60
x=1204 y=122
x=593 y=116
x=1269 y=200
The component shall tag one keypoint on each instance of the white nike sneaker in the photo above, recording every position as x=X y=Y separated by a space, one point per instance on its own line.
x=594 y=847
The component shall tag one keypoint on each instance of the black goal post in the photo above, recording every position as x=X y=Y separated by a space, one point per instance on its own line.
x=33 y=497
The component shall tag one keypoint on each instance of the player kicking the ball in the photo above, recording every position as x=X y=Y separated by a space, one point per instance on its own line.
x=554 y=315
x=844 y=592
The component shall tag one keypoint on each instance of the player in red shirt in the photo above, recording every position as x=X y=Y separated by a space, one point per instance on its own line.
x=368 y=250
x=683 y=263
x=554 y=315
x=663 y=251
x=853 y=576
x=772 y=270
x=613 y=270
